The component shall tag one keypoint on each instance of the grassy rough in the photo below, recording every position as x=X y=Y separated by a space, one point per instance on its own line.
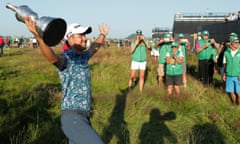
x=30 y=97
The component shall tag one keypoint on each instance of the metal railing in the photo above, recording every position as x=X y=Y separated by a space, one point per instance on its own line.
x=217 y=16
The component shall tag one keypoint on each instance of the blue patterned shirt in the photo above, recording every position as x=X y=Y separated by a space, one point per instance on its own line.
x=76 y=81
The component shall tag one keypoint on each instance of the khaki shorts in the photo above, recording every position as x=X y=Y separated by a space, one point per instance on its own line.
x=161 y=70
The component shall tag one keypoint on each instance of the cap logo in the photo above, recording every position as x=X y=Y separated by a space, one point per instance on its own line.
x=76 y=26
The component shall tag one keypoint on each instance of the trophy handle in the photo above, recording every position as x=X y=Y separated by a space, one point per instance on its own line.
x=21 y=11
x=11 y=7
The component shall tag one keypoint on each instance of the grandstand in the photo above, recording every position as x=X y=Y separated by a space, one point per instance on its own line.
x=192 y=23
x=158 y=32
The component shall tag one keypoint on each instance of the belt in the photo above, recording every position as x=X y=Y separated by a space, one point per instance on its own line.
x=84 y=113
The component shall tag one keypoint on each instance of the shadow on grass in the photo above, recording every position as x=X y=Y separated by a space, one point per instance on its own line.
x=117 y=125
x=155 y=131
x=3 y=105
x=29 y=119
x=206 y=134
x=192 y=70
x=8 y=73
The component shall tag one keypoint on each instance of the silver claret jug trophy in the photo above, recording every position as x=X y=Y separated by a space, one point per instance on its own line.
x=52 y=30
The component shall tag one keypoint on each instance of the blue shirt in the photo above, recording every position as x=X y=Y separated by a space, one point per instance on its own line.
x=76 y=81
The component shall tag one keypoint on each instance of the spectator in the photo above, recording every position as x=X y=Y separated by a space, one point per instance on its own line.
x=231 y=70
x=205 y=60
x=6 y=42
x=34 y=42
x=16 y=40
x=11 y=40
x=155 y=51
x=184 y=45
x=174 y=59
x=1 y=45
x=231 y=17
x=139 y=59
x=238 y=15
x=127 y=43
x=65 y=47
x=20 y=42
x=74 y=72
x=163 y=46
x=224 y=46
x=234 y=17
x=30 y=43
x=120 y=43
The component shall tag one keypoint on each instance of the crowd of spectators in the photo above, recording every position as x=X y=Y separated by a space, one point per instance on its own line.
x=232 y=17
x=18 y=42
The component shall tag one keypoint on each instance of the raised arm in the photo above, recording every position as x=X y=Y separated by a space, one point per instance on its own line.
x=103 y=31
x=47 y=52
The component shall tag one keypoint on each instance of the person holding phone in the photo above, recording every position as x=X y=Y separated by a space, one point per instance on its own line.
x=174 y=60
x=231 y=75
x=205 y=48
x=163 y=45
x=139 y=59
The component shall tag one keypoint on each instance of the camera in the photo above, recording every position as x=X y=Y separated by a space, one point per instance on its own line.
x=184 y=41
x=166 y=39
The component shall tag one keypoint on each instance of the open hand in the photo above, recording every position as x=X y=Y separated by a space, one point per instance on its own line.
x=31 y=25
x=104 y=28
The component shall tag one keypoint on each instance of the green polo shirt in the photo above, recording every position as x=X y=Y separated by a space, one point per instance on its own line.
x=206 y=53
x=232 y=63
x=163 y=49
x=139 y=54
x=176 y=68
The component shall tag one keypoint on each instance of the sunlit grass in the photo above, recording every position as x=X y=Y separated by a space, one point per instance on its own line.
x=30 y=98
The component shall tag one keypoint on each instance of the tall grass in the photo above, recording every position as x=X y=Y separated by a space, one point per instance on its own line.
x=30 y=98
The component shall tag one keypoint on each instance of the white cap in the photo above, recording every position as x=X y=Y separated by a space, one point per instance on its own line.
x=77 y=29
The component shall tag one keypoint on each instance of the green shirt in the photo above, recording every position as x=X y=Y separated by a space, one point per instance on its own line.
x=139 y=54
x=152 y=44
x=176 y=68
x=206 y=53
x=232 y=63
x=163 y=49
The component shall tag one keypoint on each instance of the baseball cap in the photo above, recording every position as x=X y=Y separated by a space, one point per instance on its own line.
x=167 y=35
x=234 y=39
x=174 y=44
x=139 y=32
x=180 y=35
x=205 y=32
x=233 y=34
x=77 y=29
